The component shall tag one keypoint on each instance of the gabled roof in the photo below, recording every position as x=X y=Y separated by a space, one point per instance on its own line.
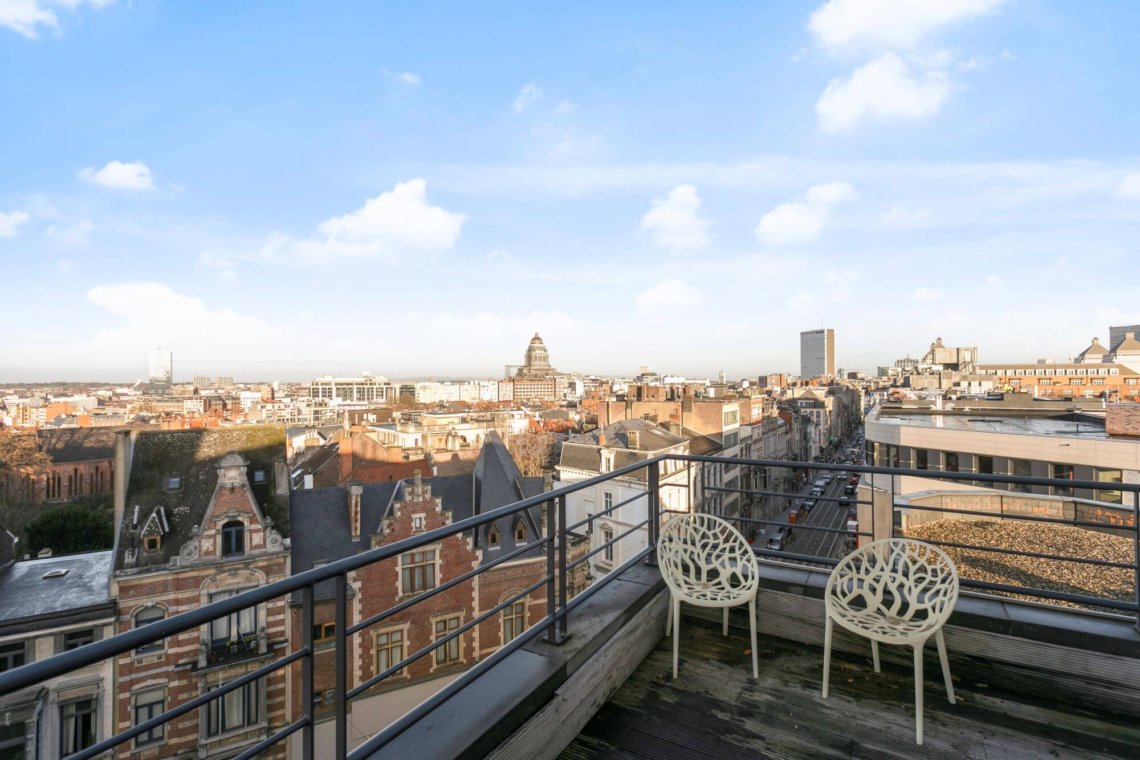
x=193 y=457
x=1094 y=349
x=1128 y=344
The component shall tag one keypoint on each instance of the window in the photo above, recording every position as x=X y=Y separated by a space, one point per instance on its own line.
x=731 y=439
x=1021 y=468
x=236 y=625
x=324 y=632
x=76 y=639
x=1076 y=381
x=152 y=544
x=174 y=484
x=607 y=539
x=417 y=523
x=607 y=500
x=520 y=534
x=12 y=656
x=149 y=704
x=417 y=571
x=986 y=465
x=233 y=539
x=921 y=459
x=1109 y=476
x=493 y=537
x=1063 y=472
x=449 y=652
x=76 y=725
x=950 y=461
x=13 y=740
x=259 y=476
x=514 y=621
x=390 y=650
x=1098 y=381
x=233 y=710
x=146 y=616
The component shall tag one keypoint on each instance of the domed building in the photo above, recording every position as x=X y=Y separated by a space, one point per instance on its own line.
x=536 y=363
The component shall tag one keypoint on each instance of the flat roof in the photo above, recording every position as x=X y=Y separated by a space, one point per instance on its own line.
x=986 y=423
x=75 y=581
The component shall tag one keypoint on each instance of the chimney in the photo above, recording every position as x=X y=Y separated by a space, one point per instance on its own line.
x=355 y=491
x=547 y=482
x=634 y=437
x=601 y=439
x=121 y=475
x=308 y=480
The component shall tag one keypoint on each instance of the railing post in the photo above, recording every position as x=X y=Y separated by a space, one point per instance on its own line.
x=1136 y=551
x=341 y=666
x=654 y=491
x=563 y=575
x=551 y=548
x=307 y=674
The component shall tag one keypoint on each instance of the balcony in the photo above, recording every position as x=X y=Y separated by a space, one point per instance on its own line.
x=591 y=678
x=219 y=653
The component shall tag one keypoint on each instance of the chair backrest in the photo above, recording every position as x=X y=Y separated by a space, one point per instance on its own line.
x=903 y=578
x=698 y=549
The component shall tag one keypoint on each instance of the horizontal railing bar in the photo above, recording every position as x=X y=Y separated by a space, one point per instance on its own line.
x=381 y=616
x=1014 y=516
x=606 y=545
x=1036 y=555
x=269 y=741
x=790 y=495
x=1092 y=601
x=366 y=750
x=764 y=553
x=66 y=662
x=586 y=593
x=355 y=692
x=174 y=712
x=798 y=526
x=607 y=511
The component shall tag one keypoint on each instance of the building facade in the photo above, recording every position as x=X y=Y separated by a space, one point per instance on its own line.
x=817 y=353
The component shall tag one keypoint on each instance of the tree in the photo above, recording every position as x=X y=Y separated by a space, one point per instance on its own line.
x=21 y=465
x=531 y=451
x=70 y=528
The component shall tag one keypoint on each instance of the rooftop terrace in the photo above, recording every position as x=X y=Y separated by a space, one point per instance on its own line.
x=983 y=422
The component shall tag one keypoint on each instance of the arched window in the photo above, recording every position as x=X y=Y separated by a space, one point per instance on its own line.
x=233 y=538
x=493 y=537
x=520 y=533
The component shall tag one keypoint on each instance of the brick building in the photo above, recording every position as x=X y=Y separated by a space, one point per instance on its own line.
x=82 y=464
x=333 y=523
x=196 y=516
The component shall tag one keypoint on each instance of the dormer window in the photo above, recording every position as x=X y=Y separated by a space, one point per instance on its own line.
x=152 y=544
x=233 y=539
x=493 y=537
x=174 y=483
x=520 y=534
x=259 y=476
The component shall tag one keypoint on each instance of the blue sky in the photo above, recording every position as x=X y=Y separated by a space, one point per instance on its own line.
x=282 y=190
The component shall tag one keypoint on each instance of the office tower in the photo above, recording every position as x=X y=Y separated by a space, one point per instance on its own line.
x=161 y=374
x=817 y=353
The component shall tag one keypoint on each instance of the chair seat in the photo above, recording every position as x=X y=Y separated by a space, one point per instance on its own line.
x=881 y=625
x=698 y=593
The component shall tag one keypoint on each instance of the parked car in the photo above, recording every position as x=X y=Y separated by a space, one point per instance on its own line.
x=849 y=489
x=845 y=502
x=809 y=505
x=776 y=540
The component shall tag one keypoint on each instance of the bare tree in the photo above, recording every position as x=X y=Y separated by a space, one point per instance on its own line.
x=531 y=451
x=22 y=463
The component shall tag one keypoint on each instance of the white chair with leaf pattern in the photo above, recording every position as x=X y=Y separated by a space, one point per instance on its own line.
x=706 y=562
x=895 y=591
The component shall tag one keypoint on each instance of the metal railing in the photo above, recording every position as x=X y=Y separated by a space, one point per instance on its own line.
x=555 y=546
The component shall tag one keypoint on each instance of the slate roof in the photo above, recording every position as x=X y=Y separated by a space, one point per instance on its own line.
x=193 y=456
x=25 y=593
x=321 y=532
x=78 y=444
x=581 y=451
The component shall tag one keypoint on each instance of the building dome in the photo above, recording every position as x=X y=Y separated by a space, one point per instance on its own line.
x=537 y=359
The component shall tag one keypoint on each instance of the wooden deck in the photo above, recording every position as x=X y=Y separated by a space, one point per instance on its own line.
x=715 y=710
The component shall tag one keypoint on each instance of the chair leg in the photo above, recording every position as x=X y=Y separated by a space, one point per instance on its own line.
x=945 y=666
x=752 y=625
x=826 y=655
x=669 y=618
x=875 y=655
x=676 y=633
x=918 y=693
x=724 y=628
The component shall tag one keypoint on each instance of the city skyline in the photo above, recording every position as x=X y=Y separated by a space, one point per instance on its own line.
x=902 y=181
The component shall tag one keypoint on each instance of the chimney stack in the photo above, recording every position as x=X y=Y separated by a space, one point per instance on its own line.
x=601 y=439
x=355 y=491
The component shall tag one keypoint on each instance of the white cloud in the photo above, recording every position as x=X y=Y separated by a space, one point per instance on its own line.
x=394 y=222
x=924 y=294
x=842 y=25
x=120 y=176
x=674 y=220
x=565 y=107
x=26 y=17
x=883 y=89
x=154 y=313
x=1130 y=188
x=10 y=222
x=500 y=257
x=669 y=294
x=75 y=235
x=407 y=78
x=803 y=222
x=527 y=97
x=992 y=285
x=898 y=218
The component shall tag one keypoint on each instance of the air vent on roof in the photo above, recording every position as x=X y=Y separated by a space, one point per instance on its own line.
x=57 y=573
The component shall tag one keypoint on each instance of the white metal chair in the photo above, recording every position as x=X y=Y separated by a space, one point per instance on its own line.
x=705 y=561
x=897 y=591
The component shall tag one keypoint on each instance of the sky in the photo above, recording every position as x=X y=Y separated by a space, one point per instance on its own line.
x=287 y=190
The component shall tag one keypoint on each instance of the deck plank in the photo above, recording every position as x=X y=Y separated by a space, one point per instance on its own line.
x=715 y=710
